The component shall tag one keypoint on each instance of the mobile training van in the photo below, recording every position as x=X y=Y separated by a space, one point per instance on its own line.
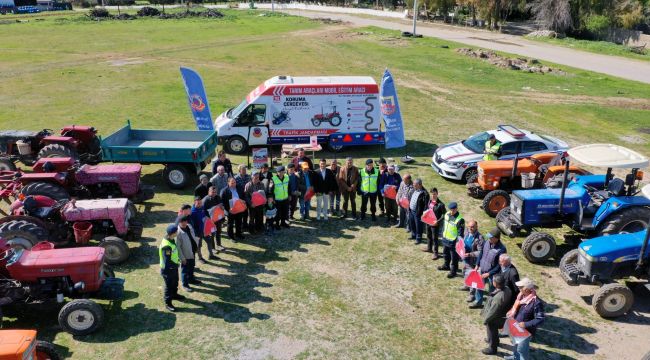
x=339 y=110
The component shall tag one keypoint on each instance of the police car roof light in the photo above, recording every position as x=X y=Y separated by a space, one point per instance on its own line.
x=512 y=131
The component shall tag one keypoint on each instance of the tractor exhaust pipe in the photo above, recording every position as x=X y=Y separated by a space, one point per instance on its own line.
x=565 y=178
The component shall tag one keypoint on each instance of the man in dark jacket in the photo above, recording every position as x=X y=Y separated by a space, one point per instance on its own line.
x=208 y=202
x=433 y=231
x=390 y=178
x=335 y=195
x=528 y=312
x=256 y=214
x=510 y=275
x=473 y=241
x=488 y=263
x=453 y=227
x=301 y=158
x=494 y=313
x=306 y=182
x=419 y=203
x=169 y=262
x=222 y=160
x=348 y=178
x=232 y=192
x=325 y=184
x=201 y=190
x=382 y=167
x=294 y=193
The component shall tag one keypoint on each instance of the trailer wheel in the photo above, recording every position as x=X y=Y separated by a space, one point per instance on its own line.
x=626 y=221
x=81 y=317
x=7 y=165
x=569 y=258
x=613 y=300
x=176 y=176
x=236 y=145
x=334 y=148
x=54 y=191
x=116 y=250
x=58 y=151
x=538 y=247
x=22 y=234
x=45 y=350
x=335 y=121
x=495 y=201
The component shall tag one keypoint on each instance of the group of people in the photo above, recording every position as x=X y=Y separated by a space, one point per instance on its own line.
x=291 y=189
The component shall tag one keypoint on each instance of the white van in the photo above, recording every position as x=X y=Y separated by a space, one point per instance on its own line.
x=339 y=110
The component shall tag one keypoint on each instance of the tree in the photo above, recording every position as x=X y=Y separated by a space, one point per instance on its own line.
x=163 y=3
x=629 y=14
x=552 y=14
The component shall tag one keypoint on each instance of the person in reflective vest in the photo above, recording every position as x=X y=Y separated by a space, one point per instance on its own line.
x=169 y=262
x=281 y=194
x=369 y=179
x=453 y=226
x=492 y=148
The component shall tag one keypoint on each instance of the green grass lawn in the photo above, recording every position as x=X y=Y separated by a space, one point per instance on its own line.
x=337 y=290
x=599 y=47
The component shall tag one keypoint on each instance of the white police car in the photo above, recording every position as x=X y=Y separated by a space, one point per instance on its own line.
x=458 y=160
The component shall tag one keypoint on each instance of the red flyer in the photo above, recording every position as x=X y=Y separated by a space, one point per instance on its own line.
x=474 y=280
x=516 y=330
x=429 y=217
x=460 y=248
x=208 y=227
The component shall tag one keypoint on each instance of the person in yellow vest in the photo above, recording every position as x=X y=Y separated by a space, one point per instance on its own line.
x=368 y=186
x=453 y=227
x=492 y=148
x=280 y=189
x=169 y=262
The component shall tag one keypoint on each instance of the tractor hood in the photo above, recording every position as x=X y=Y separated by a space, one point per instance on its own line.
x=99 y=209
x=31 y=265
x=615 y=248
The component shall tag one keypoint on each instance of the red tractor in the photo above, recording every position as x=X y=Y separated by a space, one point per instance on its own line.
x=330 y=115
x=69 y=223
x=77 y=142
x=62 y=178
x=47 y=275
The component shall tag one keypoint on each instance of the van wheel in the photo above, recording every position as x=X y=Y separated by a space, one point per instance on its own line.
x=236 y=145
x=470 y=175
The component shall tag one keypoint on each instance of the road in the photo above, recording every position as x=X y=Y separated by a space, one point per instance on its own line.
x=630 y=69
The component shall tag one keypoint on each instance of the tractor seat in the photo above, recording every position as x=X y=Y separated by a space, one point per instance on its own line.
x=616 y=187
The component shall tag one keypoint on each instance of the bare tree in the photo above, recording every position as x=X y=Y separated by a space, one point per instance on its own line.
x=552 y=14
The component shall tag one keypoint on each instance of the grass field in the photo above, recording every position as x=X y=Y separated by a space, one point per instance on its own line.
x=337 y=290
x=599 y=47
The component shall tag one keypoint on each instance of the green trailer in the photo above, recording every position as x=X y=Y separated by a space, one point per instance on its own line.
x=184 y=153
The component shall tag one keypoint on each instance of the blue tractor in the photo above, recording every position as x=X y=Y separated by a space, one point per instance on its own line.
x=604 y=260
x=591 y=205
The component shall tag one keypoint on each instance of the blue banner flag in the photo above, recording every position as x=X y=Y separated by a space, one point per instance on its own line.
x=197 y=99
x=391 y=113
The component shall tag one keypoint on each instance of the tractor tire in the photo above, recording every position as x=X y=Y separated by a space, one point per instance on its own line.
x=335 y=121
x=315 y=122
x=613 y=300
x=22 y=234
x=46 y=350
x=81 y=317
x=108 y=271
x=134 y=210
x=176 y=176
x=7 y=165
x=58 y=151
x=54 y=191
x=538 y=247
x=470 y=175
x=626 y=221
x=496 y=201
x=236 y=145
x=569 y=258
x=116 y=250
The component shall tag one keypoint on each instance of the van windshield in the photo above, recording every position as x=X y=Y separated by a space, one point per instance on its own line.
x=235 y=111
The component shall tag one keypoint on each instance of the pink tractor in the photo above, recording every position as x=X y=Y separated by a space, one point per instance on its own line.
x=44 y=275
x=62 y=178
x=72 y=223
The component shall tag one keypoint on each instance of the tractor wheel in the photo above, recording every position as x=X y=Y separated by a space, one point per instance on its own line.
x=315 y=122
x=116 y=250
x=626 y=221
x=613 y=300
x=81 y=317
x=58 y=151
x=569 y=258
x=470 y=175
x=45 y=350
x=236 y=145
x=538 y=247
x=334 y=148
x=132 y=209
x=176 y=176
x=495 y=201
x=54 y=191
x=108 y=271
x=335 y=121
x=22 y=234
x=7 y=165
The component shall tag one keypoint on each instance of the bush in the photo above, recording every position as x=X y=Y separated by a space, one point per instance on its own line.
x=598 y=25
x=148 y=11
x=99 y=13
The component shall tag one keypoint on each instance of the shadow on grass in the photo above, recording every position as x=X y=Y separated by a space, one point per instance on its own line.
x=563 y=333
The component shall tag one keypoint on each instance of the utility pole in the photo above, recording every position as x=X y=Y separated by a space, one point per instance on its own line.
x=415 y=14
